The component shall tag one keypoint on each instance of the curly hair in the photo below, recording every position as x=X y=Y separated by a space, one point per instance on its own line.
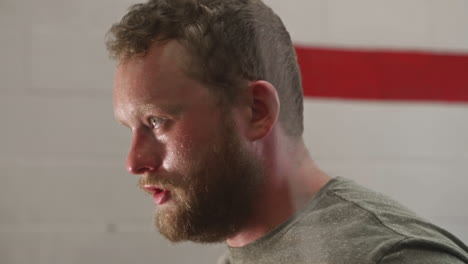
x=228 y=42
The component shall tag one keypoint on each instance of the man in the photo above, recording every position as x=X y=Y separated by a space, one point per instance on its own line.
x=212 y=93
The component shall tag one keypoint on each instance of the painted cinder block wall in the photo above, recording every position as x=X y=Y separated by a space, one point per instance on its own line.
x=65 y=196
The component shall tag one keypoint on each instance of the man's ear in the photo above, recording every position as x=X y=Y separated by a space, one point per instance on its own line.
x=264 y=109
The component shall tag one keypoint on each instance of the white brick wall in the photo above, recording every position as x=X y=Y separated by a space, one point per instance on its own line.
x=448 y=24
x=397 y=24
x=64 y=194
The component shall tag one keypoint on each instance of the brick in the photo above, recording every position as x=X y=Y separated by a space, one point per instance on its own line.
x=60 y=195
x=127 y=247
x=72 y=59
x=83 y=247
x=304 y=19
x=22 y=248
x=449 y=24
x=54 y=124
x=370 y=23
x=350 y=129
x=14 y=40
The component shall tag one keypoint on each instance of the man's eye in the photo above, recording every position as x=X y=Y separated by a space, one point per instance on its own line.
x=156 y=122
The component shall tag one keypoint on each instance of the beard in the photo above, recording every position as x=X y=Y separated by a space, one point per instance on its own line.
x=213 y=196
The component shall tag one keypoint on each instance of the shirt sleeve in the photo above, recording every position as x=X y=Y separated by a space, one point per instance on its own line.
x=420 y=256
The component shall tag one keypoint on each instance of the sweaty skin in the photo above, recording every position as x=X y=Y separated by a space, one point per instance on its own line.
x=154 y=89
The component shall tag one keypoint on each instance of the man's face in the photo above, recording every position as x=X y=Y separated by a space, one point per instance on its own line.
x=186 y=148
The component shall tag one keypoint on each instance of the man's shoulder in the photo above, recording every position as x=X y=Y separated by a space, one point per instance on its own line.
x=357 y=223
x=348 y=223
x=365 y=209
x=343 y=201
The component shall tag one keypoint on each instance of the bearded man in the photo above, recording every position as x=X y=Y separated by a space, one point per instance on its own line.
x=211 y=90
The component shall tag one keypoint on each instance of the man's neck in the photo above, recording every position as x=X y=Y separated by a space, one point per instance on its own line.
x=292 y=180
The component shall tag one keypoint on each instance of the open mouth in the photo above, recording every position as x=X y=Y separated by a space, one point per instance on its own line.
x=160 y=196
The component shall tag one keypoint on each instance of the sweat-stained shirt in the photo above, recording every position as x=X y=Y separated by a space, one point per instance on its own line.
x=348 y=224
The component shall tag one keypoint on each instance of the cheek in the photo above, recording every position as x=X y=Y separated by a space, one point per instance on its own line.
x=180 y=151
x=189 y=143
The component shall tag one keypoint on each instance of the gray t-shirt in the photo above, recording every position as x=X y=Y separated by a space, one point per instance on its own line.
x=347 y=223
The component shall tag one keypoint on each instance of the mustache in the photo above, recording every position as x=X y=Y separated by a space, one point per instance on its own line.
x=166 y=183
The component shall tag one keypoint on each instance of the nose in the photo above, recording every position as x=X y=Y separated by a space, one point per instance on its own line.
x=145 y=153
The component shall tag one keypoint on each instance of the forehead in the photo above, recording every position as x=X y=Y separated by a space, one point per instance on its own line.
x=161 y=65
x=159 y=74
x=158 y=81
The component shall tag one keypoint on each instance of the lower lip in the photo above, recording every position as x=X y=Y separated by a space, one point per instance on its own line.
x=160 y=198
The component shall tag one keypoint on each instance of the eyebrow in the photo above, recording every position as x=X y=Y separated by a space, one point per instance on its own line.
x=164 y=108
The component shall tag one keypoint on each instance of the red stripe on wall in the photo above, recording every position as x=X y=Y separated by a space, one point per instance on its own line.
x=384 y=75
